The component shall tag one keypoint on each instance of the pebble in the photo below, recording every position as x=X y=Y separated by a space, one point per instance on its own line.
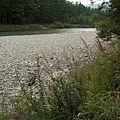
x=18 y=57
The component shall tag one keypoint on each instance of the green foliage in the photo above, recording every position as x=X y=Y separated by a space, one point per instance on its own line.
x=58 y=24
x=17 y=12
x=102 y=28
x=20 y=27
x=102 y=91
x=67 y=96
x=45 y=12
x=112 y=23
x=3 y=117
x=95 y=18
x=106 y=27
x=29 y=108
x=101 y=106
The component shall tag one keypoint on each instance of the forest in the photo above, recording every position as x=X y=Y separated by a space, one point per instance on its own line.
x=20 y=12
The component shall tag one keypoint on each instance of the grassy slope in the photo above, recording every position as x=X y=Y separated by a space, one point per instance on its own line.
x=38 y=26
x=20 y=27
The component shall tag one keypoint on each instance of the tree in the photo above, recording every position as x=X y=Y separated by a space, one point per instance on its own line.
x=95 y=18
x=17 y=11
x=44 y=12
x=112 y=23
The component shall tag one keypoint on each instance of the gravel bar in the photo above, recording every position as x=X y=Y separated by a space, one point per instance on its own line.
x=19 y=52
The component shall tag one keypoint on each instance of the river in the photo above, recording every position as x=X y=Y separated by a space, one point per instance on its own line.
x=47 y=31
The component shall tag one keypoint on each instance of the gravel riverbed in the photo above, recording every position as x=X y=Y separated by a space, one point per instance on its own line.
x=17 y=53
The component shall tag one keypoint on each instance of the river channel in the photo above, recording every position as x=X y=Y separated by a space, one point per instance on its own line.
x=47 y=31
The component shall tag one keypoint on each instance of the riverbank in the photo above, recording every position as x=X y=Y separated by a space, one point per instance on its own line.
x=19 y=52
x=55 y=25
x=91 y=91
x=5 y=28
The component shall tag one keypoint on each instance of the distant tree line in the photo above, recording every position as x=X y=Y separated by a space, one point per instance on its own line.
x=46 y=11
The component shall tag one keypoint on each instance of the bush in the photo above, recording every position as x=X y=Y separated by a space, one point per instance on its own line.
x=111 y=24
x=20 y=27
x=56 y=25
x=106 y=27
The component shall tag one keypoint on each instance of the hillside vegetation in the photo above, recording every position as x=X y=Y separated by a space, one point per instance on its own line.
x=22 y=12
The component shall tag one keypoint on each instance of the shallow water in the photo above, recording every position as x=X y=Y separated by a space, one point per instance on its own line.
x=47 y=31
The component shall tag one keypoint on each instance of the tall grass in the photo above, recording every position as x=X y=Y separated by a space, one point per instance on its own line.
x=91 y=92
x=5 y=28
